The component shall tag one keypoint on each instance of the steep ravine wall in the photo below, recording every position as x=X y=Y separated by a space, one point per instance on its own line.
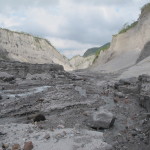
x=79 y=62
x=27 y=48
x=126 y=48
x=145 y=52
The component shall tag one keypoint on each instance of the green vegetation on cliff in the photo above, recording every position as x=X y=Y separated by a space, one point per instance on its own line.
x=90 y=51
x=145 y=9
x=126 y=27
x=102 y=48
x=96 y=50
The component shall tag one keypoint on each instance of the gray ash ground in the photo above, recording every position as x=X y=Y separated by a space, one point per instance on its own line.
x=68 y=100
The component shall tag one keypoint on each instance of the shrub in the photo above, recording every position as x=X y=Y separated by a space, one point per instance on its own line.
x=103 y=48
x=126 y=27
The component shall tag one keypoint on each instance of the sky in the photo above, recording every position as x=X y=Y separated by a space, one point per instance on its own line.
x=72 y=26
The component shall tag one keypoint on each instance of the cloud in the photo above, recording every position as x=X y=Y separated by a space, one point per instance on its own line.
x=8 y=22
x=70 y=48
x=104 y=2
x=7 y=5
x=70 y=25
x=71 y=53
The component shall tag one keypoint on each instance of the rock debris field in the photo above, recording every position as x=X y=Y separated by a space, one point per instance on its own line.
x=44 y=107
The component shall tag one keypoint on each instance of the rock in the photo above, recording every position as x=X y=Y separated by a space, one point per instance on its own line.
x=85 y=113
x=144 y=91
x=81 y=91
x=116 y=85
x=5 y=146
x=47 y=136
x=119 y=94
x=0 y=97
x=101 y=120
x=39 y=117
x=60 y=135
x=125 y=81
x=28 y=146
x=40 y=100
x=6 y=77
x=1 y=134
x=116 y=99
x=12 y=82
x=60 y=126
x=144 y=78
x=16 y=147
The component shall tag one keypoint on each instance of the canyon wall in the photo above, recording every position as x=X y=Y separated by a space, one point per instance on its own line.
x=27 y=48
x=126 y=48
x=79 y=62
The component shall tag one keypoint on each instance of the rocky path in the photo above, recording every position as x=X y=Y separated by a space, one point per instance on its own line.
x=81 y=111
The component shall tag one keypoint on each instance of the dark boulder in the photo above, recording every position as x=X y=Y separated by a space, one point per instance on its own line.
x=39 y=117
x=1 y=97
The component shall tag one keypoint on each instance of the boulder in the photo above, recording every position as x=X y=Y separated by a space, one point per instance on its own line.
x=28 y=146
x=47 y=136
x=144 y=91
x=16 y=147
x=6 y=77
x=119 y=94
x=125 y=81
x=5 y=146
x=101 y=119
x=39 y=117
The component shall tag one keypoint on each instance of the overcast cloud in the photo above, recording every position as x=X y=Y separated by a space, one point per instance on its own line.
x=72 y=26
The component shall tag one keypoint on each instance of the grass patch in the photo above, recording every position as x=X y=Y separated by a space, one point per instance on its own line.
x=127 y=27
x=145 y=9
x=103 y=48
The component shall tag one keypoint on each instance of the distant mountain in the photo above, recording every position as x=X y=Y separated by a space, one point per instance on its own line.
x=79 y=62
x=90 y=51
x=93 y=51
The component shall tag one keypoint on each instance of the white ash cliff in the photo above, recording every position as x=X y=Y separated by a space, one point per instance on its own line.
x=24 y=47
x=128 y=48
x=80 y=62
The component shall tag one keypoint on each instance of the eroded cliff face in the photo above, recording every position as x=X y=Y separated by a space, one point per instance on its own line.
x=27 y=48
x=79 y=62
x=21 y=70
x=126 y=48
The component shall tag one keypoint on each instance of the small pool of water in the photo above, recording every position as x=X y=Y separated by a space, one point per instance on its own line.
x=29 y=92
